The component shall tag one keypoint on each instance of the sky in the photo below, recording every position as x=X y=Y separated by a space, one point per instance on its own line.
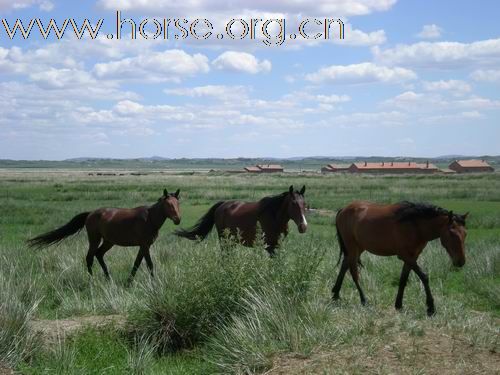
x=410 y=78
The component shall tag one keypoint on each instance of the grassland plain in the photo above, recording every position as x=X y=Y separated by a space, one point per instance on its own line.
x=241 y=312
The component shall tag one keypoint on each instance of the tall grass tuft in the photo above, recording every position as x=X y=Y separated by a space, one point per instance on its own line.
x=17 y=307
x=141 y=356
x=193 y=299
x=189 y=300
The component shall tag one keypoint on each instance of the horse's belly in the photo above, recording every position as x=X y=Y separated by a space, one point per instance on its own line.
x=122 y=235
x=382 y=236
x=121 y=240
x=381 y=251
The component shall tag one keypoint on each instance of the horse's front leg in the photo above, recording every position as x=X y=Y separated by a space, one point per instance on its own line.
x=271 y=250
x=431 y=310
x=137 y=263
x=149 y=262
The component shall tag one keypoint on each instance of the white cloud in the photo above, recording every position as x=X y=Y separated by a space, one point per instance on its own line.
x=44 y=5
x=441 y=54
x=318 y=7
x=171 y=65
x=456 y=86
x=332 y=99
x=407 y=100
x=356 y=37
x=17 y=61
x=62 y=78
x=489 y=75
x=477 y=102
x=430 y=32
x=220 y=92
x=241 y=62
x=361 y=73
x=455 y=117
x=420 y=103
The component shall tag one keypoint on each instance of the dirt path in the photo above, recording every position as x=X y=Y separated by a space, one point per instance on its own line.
x=432 y=353
x=52 y=331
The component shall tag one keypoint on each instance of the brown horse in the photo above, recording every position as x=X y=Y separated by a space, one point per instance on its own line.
x=107 y=227
x=239 y=219
x=401 y=229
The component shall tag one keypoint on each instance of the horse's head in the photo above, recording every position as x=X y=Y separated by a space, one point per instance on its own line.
x=453 y=238
x=296 y=208
x=170 y=204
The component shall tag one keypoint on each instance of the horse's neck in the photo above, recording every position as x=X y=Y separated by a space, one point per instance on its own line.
x=282 y=217
x=156 y=215
x=279 y=218
x=431 y=229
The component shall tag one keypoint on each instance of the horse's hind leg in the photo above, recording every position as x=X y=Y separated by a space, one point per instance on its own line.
x=402 y=285
x=340 y=279
x=94 y=241
x=105 y=246
x=353 y=268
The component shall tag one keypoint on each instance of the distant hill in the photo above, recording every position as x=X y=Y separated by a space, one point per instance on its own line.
x=159 y=162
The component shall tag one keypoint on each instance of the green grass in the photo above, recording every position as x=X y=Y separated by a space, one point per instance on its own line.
x=211 y=312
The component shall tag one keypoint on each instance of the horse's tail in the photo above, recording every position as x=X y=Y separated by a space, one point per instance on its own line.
x=202 y=228
x=57 y=235
x=342 y=247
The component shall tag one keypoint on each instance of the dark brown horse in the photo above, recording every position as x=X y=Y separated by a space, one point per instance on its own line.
x=401 y=229
x=239 y=219
x=107 y=227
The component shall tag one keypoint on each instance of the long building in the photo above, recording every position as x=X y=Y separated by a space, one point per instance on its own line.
x=470 y=166
x=393 y=167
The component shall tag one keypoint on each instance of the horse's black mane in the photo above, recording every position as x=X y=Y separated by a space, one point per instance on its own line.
x=272 y=203
x=409 y=211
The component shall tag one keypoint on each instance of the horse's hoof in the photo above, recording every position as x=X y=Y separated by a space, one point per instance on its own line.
x=398 y=306
x=431 y=312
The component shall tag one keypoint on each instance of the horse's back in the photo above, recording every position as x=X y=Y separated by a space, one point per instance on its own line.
x=372 y=226
x=110 y=214
x=235 y=212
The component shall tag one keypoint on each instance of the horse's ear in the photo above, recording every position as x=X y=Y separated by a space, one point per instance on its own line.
x=291 y=189
x=464 y=216
x=176 y=194
x=165 y=193
x=303 y=190
x=450 y=217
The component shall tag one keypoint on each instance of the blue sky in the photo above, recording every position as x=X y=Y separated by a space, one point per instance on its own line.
x=411 y=78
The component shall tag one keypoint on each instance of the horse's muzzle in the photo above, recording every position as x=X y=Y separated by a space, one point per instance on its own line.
x=459 y=262
x=176 y=220
x=302 y=228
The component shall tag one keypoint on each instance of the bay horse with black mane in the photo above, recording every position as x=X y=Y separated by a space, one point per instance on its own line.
x=401 y=229
x=240 y=219
x=107 y=227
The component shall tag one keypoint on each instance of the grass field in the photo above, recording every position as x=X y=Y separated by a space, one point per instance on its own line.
x=242 y=312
